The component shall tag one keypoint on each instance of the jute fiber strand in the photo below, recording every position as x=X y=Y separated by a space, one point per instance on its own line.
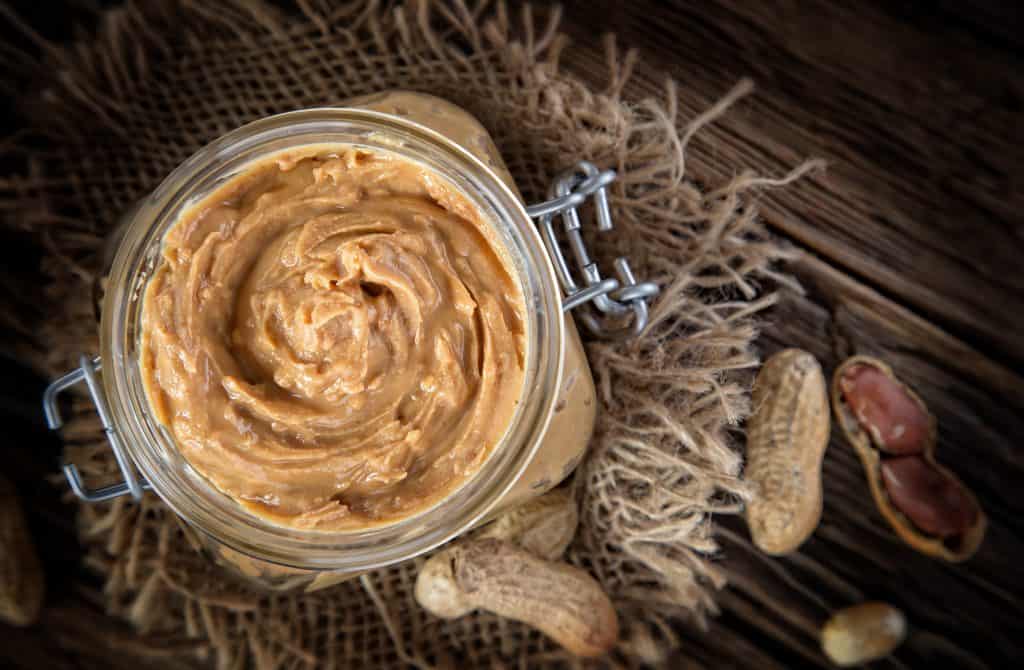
x=115 y=113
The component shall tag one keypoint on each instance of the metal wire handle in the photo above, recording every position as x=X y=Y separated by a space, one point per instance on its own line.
x=614 y=299
x=132 y=484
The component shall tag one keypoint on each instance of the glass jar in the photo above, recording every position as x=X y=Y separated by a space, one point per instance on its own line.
x=542 y=445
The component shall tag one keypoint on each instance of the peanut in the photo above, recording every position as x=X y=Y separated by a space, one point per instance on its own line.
x=897 y=422
x=561 y=601
x=436 y=590
x=543 y=526
x=935 y=503
x=787 y=437
x=21 y=576
x=894 y=435
x=510 y=567
x=863 y=633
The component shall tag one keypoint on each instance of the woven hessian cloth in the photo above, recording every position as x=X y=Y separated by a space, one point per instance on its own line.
x=114 y=114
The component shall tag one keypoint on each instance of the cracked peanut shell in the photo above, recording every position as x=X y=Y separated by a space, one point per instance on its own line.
x=894 y=435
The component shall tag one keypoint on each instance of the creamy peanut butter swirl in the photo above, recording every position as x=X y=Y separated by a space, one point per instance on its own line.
x=332 y=339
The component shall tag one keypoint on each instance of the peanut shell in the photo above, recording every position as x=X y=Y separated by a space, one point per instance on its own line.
x=21 y=576
x=871 y=454
x=786 y=441
x=558 y=599
x=544 y=526
x=511 y=567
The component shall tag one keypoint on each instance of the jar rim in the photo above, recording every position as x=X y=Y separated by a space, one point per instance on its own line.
x=150 y=445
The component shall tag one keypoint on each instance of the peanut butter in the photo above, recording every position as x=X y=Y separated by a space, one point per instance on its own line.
x=576 y=405
x=333 y=339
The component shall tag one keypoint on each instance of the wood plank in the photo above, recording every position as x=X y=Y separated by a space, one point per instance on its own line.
x=920 y=122
x=73 y=632
x=885 y=236
x=921 y=128
x=76 y=634
x=779 y=603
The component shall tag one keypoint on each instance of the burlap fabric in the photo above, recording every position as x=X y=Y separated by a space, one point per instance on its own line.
x=114 y=114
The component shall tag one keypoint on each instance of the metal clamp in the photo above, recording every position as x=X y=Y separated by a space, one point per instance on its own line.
x=612 y=298
x=132 y=484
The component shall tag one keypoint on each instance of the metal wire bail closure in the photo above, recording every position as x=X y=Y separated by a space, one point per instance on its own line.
x=611 y=298
x=132 y=484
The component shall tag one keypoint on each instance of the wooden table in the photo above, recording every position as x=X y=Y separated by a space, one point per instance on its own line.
x=914 y=240
x=913 y=236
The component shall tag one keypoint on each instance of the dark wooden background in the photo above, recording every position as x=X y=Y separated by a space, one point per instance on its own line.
x=915 y=241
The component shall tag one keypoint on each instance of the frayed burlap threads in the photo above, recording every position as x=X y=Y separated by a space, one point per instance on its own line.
x=159 y=80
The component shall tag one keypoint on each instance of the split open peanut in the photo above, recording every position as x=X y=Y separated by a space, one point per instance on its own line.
x=894 y=435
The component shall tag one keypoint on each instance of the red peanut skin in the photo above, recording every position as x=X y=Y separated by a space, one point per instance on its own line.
x=933 y=501
x=897 y=498
x=895 y=421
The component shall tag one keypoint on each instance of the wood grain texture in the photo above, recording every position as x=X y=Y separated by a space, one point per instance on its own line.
x=913 y=239
x=968 y=614
x=917 y=114
x=854 y=555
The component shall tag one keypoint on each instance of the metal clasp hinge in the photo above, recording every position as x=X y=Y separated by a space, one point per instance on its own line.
x=132 y=484
x=612 y=298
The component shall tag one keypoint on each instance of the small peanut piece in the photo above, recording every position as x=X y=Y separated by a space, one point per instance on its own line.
x=510 y=568
x=786 y=440
x=21 y=576
x=863 y=633
x=894 y=435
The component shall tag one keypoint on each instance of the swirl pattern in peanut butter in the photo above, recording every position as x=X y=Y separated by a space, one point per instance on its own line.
x=333 y=339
